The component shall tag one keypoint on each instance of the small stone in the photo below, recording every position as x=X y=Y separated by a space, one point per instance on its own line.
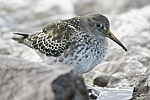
x=105 y=80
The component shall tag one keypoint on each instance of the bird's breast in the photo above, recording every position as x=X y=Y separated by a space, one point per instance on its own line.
x=85 y=53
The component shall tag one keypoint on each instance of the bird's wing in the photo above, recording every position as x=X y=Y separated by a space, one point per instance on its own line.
x=53 y=39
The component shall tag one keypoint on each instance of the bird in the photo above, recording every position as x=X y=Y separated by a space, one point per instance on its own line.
x=80 y=41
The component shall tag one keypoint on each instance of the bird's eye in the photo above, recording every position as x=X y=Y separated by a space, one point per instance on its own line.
x=99 y=25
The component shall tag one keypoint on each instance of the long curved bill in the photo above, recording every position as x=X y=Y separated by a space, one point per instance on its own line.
x=112 y=37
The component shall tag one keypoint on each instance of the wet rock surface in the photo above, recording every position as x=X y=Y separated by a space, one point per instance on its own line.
x=130 y=22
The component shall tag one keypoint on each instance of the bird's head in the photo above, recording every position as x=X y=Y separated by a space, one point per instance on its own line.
x=99 y=25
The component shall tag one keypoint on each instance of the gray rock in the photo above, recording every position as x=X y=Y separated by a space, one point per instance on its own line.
x=108 y=6
x=4 y=47
x=105 y=80
x=141 y=90
x=23 y=80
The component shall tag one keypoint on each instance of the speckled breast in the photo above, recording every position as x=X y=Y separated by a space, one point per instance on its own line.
x=84 y=53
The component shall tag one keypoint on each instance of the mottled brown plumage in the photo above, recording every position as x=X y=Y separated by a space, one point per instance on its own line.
x=80 y=41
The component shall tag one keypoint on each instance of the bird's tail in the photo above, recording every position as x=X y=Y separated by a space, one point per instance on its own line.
x=23 y=38
x=20 y=39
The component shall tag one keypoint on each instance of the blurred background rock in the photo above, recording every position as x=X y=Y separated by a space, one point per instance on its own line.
x=130 y=22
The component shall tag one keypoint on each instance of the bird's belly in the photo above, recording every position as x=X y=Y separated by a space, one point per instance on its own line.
x=83 y=59
x=87 y=59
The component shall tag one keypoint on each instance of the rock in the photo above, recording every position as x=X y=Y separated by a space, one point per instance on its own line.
x=105 y=80
x=107 y=6
x=69 y=87
x=141 y=90
x=4 y=47
x=24 y=80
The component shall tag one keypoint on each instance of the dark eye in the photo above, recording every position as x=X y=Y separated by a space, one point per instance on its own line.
x=99 y=25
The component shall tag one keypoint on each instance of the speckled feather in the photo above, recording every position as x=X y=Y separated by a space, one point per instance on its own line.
x=52 y=41
x=79 y=42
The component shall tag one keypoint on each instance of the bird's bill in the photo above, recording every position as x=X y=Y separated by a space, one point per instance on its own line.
x=112 y=37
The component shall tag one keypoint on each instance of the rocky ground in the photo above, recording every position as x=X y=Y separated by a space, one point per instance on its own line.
x=130 y=22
